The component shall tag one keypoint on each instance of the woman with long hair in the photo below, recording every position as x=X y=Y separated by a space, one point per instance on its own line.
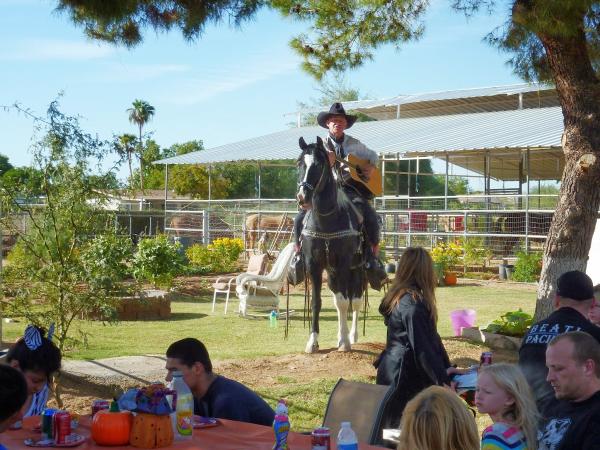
x=437 y=419
x=504 y=394
x=414 y=356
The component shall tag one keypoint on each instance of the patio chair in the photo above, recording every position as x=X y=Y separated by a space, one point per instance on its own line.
x=362 y=404
x=262 y=291
x=257 y=265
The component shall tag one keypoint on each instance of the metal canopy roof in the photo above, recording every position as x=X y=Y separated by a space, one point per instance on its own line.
x=539 y=128
x=460 y=95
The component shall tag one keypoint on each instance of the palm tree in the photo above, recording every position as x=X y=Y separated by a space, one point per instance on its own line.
x=140 y=113
x=126 y=148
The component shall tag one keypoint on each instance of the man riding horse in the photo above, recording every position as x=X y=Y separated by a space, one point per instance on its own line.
x=339 y=144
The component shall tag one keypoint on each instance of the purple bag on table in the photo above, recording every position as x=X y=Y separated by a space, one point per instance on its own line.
x=153 y=400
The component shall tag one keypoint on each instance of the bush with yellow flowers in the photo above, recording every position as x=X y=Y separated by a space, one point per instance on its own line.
x=447 y=255
x=219 y=257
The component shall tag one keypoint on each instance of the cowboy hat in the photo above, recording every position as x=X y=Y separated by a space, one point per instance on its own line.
x=337 y=109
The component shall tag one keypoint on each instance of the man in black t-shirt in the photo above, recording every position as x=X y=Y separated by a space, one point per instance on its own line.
x=215 y=395
x=574 y=298
x=573 y=423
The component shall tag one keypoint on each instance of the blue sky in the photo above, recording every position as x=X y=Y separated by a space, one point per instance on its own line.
x=230 y=85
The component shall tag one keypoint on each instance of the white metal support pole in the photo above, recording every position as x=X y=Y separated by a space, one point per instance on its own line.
x=166 y=196
x=209 y=183
x=446 y=184
x=527 y=202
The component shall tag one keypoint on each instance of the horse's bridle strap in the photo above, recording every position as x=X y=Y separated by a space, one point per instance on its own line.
x=333 y=235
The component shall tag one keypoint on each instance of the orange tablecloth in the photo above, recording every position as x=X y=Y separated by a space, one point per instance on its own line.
x=229 y=435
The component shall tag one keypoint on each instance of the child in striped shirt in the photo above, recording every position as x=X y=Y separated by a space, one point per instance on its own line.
x=504 y=394
x=37 y=358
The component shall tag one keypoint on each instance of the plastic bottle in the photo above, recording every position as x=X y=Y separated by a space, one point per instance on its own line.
x=273 y=319
x=184 y=408
x=281 y=426
x=347 y=438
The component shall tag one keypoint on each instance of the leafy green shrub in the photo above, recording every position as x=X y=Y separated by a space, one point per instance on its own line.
x=476 y=253
x=513 y=323
x=158 y=261
x=107 y=258
x=527 y=267
x=219 y=257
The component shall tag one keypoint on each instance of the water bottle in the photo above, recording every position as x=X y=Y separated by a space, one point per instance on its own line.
x=184 y=408
x=281 y=426
x=273 y=319
x=347 y=438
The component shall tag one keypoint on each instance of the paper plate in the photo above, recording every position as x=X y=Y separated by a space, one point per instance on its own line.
x=73 y=440
x=205 y=422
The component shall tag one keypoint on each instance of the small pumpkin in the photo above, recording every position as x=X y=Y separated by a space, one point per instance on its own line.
x=151 y=431
x=111 y=427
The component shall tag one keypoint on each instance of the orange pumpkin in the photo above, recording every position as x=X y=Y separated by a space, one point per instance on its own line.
x=111 y=427
x=151 y=431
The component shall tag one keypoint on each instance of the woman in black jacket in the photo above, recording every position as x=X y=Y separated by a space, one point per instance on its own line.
x=414 y=356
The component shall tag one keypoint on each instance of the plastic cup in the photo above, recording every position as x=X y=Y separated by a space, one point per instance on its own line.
x=462 y=318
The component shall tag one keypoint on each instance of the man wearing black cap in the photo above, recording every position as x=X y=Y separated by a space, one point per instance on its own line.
x=337 y=121
x=574 y=298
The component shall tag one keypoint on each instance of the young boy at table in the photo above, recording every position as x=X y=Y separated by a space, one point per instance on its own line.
x=13 y=394
x=214 y=395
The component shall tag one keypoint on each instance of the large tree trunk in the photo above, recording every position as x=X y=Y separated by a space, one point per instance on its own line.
x=572 y=228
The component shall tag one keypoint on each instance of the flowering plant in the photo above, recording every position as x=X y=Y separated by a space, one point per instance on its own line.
x=446 y=254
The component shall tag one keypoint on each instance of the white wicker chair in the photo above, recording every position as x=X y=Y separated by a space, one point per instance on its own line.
x=262 y=291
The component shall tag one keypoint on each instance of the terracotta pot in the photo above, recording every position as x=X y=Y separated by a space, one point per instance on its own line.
x=450 y=278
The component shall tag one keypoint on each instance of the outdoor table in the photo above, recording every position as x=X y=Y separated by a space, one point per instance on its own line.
x=229 y=435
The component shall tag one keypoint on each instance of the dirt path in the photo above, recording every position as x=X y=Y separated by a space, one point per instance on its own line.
x=79 y=388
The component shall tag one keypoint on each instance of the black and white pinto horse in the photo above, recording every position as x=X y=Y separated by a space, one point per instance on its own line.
x=331 y=240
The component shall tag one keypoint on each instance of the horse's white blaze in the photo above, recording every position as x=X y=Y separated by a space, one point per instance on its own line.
x=313 y=343
x=308 y=161
x=341 y=304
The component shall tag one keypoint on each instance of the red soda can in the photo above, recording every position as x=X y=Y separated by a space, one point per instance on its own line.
x=321 y=439
x=62 y=426
x=98 y=405
x=486 y=359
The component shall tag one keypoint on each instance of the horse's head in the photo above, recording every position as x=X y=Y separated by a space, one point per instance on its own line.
x=313 y=166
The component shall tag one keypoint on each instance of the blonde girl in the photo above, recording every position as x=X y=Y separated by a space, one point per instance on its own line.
x=437 y=419
x=504 y=394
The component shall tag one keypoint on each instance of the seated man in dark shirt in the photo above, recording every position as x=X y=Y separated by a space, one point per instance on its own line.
x=215 y=395
x=574 y=298
x=573 y=423
x=13 y=394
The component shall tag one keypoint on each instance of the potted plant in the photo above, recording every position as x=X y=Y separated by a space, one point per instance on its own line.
x=446 y=256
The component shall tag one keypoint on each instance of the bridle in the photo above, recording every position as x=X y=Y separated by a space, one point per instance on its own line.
x=306 y=185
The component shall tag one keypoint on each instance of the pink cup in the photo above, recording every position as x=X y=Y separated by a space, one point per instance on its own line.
x=462 y=318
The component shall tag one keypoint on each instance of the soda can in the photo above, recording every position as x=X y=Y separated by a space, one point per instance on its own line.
x=47 y=424
x=98 y=405
x=486 y=359
x=321 y=439
x=62 y=427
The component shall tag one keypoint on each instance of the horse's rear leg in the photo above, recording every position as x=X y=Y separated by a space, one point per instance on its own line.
x=357 y=305
x=341 y=304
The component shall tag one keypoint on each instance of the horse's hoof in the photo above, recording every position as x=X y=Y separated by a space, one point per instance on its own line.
x=346 y=347
x=353 y=339
x=311 y=348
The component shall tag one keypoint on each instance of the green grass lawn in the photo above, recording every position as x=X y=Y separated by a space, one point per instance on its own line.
x=234 y=337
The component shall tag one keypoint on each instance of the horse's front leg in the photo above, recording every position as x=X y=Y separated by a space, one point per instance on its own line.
x=313 y=341
x=341 y=304
x=357 y=305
